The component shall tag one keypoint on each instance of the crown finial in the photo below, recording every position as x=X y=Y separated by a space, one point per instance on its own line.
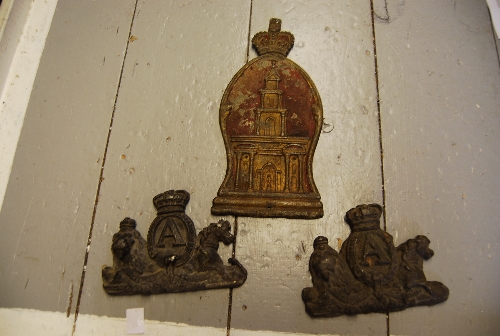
x=274 y=25
x=274 y=40
x=364 y=217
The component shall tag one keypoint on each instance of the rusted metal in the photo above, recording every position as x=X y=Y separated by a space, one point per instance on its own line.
x=173 y=259
x=369 y=275
x=270 y=117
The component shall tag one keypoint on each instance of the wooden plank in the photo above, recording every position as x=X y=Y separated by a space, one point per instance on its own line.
x=439 y=91
x=48 y=206
x=12 y=21
x=165 y=136
x=21 y=49
x=497 y=41
x=333 y=43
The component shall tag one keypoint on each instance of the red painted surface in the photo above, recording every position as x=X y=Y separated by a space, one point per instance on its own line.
x=297 y=98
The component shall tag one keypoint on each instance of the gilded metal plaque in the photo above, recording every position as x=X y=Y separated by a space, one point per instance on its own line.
x=173 y=259
x=270 y=117
x=369 y=274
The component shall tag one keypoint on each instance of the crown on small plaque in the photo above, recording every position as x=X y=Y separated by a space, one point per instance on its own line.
x=320 y=240
x=274 y=40
x=172 y=200
x=128 y=222
x=364 y=217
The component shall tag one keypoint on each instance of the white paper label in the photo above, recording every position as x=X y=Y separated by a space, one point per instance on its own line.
x=135 y=321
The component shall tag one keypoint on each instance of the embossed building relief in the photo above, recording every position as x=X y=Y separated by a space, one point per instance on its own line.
x=270 y=118
x=174 y=258
x=369 y=274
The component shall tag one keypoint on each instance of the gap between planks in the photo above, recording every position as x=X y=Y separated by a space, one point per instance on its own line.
x=230 y=301
x=380 y=127
x=230 y=304
x=96 y=201
x=495 y=37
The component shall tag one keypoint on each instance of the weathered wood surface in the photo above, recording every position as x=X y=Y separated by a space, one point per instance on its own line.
x=334 y=44
x=48 y=206
x=440 y=103
x=166 y=136
x=11 y=35
x=439 y=90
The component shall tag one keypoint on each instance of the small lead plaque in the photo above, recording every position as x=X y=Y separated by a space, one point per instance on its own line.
x=173 y=259
x=369 y=274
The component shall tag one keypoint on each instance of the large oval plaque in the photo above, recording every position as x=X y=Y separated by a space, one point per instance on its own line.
x=270 y=117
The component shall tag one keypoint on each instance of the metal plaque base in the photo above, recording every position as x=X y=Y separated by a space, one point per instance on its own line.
x=286 y=206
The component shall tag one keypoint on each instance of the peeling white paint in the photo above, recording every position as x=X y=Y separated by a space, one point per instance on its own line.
x=88 y=325
x=4 y=15
x=238 y=332
x=16 y=92
x=20 y=322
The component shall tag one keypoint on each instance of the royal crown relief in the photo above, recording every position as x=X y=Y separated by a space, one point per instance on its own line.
x=270 y=118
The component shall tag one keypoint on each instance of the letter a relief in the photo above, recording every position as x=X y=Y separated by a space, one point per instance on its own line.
x=373 y=249
x=174 y=233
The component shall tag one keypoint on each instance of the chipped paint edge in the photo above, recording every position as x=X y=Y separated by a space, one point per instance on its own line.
x=5 y=10
x=18 y=321
x=16 y=92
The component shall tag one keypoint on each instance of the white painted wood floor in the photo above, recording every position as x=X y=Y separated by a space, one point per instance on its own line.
x=411 y=91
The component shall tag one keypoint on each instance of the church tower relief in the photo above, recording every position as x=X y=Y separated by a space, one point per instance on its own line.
x=271 y=116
